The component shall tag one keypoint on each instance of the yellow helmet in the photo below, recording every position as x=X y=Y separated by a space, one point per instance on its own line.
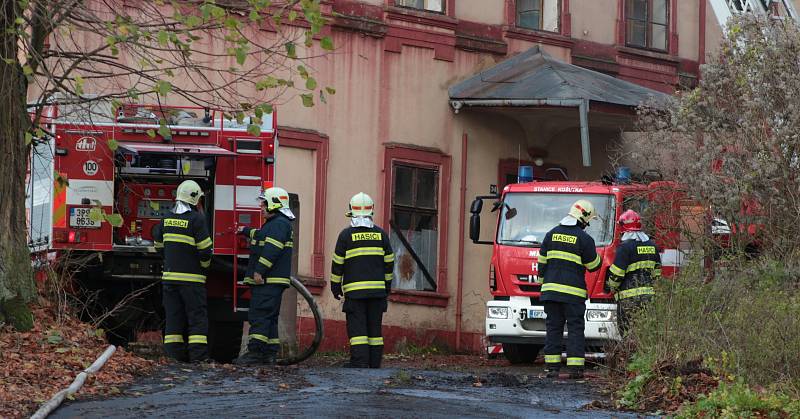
x=275 y=198
x=361 y=205
x=582 y=210
x=189 y=192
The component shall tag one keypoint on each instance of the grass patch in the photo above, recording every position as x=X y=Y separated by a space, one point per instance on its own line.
x=740 y=329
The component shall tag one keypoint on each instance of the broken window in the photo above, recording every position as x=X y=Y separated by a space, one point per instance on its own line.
x=647 y=23
x=415 y=216
x=539 y=15
x=429 y=5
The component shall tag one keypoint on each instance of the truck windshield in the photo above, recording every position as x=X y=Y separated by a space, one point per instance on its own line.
x=527 y=217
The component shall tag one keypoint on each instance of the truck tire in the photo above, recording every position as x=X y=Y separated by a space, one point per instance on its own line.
x=224 y=340
x=521 y=353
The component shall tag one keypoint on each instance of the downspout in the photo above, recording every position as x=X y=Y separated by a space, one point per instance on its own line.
x=581 y=104
x=461 y=241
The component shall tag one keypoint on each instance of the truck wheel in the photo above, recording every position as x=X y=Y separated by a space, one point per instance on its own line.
x=224 y=340
x=521 y=353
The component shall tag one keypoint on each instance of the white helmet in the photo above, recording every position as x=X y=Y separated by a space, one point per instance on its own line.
x=583 y=211
x=275 y=198
x=361 y=205
x=189 y=192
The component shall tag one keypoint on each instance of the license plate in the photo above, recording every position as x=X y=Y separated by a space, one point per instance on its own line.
x=536 y=314
x=79 y=217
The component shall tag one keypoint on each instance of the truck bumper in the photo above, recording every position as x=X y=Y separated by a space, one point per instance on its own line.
x=525 y=322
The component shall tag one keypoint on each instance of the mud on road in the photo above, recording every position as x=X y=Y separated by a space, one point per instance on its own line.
x=327 y=391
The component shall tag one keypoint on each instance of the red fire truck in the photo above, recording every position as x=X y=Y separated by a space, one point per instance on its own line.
x=122 y=162
x=526 y=212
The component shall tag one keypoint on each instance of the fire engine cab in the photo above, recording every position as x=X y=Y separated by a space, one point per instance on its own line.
x=515 y=318
x=102 y=178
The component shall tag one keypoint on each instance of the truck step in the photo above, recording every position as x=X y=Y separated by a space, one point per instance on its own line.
x=242 y=309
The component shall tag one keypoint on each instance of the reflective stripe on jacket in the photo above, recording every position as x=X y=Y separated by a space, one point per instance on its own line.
x=363 y=262
x=186 y=246
x=566 y=253
x=636 y=265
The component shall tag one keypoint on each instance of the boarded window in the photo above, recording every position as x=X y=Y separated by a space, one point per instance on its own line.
x=415 y=213
x=647 y=23
x=429 y=5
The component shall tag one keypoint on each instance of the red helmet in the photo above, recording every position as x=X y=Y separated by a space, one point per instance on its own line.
x=630 y=221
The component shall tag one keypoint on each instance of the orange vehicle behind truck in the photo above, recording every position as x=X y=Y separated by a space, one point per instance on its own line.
x=526 y=211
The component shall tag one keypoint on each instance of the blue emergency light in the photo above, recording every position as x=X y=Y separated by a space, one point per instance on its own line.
x=623 y=175
x=525 y=174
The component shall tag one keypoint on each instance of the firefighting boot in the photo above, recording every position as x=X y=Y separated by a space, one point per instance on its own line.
x=254 y=358
x=576 y=373
x=375 y=356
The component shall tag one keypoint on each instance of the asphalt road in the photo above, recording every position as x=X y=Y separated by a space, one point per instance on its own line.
x=319 y=391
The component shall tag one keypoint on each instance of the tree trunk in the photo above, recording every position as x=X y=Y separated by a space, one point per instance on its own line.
x=17 y=287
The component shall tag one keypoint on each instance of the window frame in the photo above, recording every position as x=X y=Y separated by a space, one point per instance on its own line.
x=517 y=13
x=512 y=16
x=444 y=11
x=627 y=5
x=405 y=155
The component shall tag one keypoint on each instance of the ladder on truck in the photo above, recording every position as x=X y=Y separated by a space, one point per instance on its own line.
x=265 y=180
x=779 y=9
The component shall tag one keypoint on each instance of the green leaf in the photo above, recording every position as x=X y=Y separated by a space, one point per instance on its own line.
x=292 y=15
x=193 y=21
x=241 y=55
x=113 y=144
x=55 y=338
x=19 y=21
x=27 y=70
x=308 y=100
x=254 y=16
x=163 y=87
x=28 y=138
x=99 y=332
x=302 y=70
x=164 y=131
x=267 y=108
x=291 y=49
x=163 y=38
x=326 y=43
x=151 y=133
x=311 y=84
x=96 y=214
x=254 y=130
x=62 y=350
x=79 y=85
x=113 y=219
x=330 y=90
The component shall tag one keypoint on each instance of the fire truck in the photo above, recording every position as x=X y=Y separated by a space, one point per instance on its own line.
x=515 y=318
x=102 y=177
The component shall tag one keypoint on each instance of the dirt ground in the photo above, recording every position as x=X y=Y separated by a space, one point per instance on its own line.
x=437 y=386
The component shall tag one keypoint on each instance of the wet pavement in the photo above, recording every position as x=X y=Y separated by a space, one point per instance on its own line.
x=397 y=392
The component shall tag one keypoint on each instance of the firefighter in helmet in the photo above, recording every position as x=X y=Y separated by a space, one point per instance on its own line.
x=636 y=265
x=182 y=237
x=566 y=253
x=268 y=275
x=361 y=271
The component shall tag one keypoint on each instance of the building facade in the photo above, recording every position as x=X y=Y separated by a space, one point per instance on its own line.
x=390 y=131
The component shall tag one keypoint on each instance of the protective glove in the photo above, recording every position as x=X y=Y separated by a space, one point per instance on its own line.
x=613 y=284
x=241 y=230
x=336 y=290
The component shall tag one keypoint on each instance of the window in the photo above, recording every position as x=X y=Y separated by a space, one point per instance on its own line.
x=429 y=5
x=647 y=23
x=529 y=14
x=415 y=215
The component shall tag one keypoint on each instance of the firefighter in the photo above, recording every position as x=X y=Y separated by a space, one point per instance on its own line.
x=636 y=265
x=566 y=253
x=182 y=237
x=268 y=276
x=361 y=271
